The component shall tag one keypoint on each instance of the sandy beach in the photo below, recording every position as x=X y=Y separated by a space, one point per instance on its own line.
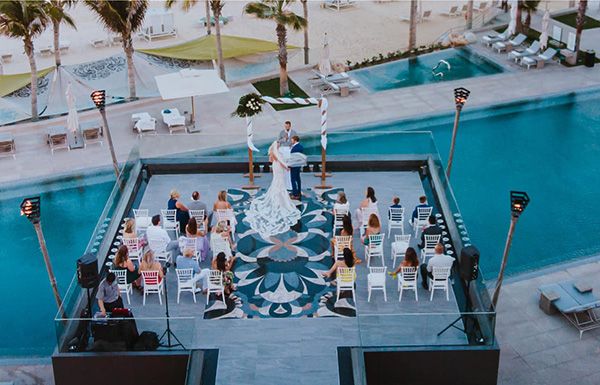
x=357 y=32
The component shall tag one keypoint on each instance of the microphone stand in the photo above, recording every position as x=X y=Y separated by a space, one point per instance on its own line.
x=168 y=332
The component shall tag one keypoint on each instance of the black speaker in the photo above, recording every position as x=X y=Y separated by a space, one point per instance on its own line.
x=87 y=271
x=469 y=263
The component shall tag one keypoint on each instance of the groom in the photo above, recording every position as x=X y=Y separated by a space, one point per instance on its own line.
x=295 y=171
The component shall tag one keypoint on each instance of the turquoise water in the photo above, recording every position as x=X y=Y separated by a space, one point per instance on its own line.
x=69 y=216
x=548 y=148
x=416 y=71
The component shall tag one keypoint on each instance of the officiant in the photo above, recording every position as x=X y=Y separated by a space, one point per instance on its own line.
x=285 y=142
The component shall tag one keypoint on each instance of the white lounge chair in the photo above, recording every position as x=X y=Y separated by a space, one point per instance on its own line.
x=426 y=15
x=545 y=57
x=146 y=125
x=321 y=79
x=453 y=11
x=7 y=145
x=342 y=89
x=46 y=51
x=99 y=43
x=338 y=4
x=173 y=119
x=517 y=41
x=482 y=7
x=6 y=57
x=491 y=39
x=518 y=55
x=57 y=139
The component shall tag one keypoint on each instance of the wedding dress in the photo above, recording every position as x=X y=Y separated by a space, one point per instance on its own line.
x=273 y=212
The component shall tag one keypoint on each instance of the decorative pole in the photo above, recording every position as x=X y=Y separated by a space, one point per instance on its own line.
x=249 y=105
x=461 y=95
x=323 y=104
x=518 y=202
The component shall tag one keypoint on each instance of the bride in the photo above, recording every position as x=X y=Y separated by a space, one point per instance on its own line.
x=273 y=212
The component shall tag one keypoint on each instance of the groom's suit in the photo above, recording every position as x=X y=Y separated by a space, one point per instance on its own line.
x=295 y=172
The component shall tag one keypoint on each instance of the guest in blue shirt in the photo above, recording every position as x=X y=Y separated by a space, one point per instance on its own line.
x=186 y=261
x=422 y=203
x=395 y=205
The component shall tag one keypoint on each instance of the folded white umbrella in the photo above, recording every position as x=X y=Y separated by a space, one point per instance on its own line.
x=325 y=63
x=72 y=117
x=544 y=35
x=512 y=25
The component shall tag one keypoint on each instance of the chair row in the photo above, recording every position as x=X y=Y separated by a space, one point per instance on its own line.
x=528 y=57
x=144 y=123
x=395 y=218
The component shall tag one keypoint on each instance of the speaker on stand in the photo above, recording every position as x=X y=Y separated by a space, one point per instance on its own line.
x=469 y=271
x=87 y=276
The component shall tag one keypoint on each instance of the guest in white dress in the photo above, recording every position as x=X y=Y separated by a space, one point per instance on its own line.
x=369 y=204
x=341 y=203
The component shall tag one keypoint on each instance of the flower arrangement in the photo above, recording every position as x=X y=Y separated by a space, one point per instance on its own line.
x=249 y=105
x=391 y=56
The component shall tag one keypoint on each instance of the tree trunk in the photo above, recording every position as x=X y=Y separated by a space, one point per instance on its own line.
x=207 y=4
x=469 y=14
x=580 y=20
x=283 y=75
x=128 y=48
x=412 y=32
x=519 y=26
x=56 y=30
x=305 y=9
x=220 y=64
x=28 y=45
x=527 y=21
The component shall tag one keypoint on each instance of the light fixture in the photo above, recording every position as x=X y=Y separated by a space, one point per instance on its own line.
x=518 y=202
x=30 y=207
x=99 y=98
x=461 y=94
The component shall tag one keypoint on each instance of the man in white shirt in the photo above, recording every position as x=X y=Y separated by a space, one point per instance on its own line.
x=285 y=136
x=438 y=260
x=159 y=240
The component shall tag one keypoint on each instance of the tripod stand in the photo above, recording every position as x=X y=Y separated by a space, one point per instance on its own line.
x=168 y=332
x=460 y=317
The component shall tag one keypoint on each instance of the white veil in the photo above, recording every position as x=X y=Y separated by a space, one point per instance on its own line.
x=274 y=150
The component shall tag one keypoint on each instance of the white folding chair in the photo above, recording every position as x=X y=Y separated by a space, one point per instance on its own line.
x=365 y=213
x=133 y=246
x=142 y=220
x=159 y=246
x=342 y=242
x=345 y=278
x=439 y=281
x=229 y=216
x=408 y=281
x=375 y=248
x=169 y=221
x=184 y=282
x=338 y=219
x=428 y=249
x=219 y=244
x=124 y=287
x=152 y=285
x=399 y=246
x=190 y=244
x=199 y=216
x=396 y=221
x=422 y=218
x=376 y=281
x=215 y=284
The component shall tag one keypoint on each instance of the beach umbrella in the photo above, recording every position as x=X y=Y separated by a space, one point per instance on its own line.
x=512 y=26
x=545 y=25
x=325 y=63
x=72 y=117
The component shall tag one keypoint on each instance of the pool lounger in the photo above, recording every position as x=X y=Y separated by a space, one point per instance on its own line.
x=173 y=119
x=576 y=302
x=489 y=40
x=519 y=55
x=517 y=41
x=7 y=145
x=338 y=88
x=321 y=79
x=545 y=57
x=57 y=139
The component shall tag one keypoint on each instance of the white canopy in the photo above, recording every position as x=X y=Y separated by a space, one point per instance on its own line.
x=189 y=83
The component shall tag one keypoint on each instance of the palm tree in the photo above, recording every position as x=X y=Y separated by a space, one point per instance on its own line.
x=123 y=18
x=56 y=11
x=279 y=12
x=519 y=21
x=186 y=5
x=529 y=6
x=580 y=20
x=469 y=14
x=25 y=19
x=412 y=31
x=217 y=8
x=305 y=14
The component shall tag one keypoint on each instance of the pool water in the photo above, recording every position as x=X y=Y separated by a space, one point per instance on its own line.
x=69 y=216
x=548 y=148
x=464 y=63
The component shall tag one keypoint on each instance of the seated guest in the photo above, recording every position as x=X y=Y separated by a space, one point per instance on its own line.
x=129 y=231
x=422 y=203
x=348 y=261
x=347 y=231
x=155 y=234
x=108 y=295
x=182 y=216
x=341 y=203
x=186 y=261
x=222 y=230
x=373 y=227
x=197 y=204
x=225 y=266
x=150 y=264
x=432 y=229
x=223 y=204
x=191 y=231
x=438 y=260
x=395 y=205
x=122 y=262
x=370 y=203
x=410 y=260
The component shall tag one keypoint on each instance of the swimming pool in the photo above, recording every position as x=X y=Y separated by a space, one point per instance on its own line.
x=70 y=209
x=464 y=63
x=548 y=148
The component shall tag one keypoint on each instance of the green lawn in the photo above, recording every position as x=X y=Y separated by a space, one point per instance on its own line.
x=570 y=20
x=271 y=88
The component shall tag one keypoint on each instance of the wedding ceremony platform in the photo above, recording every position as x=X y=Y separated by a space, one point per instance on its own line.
x=283 y=318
